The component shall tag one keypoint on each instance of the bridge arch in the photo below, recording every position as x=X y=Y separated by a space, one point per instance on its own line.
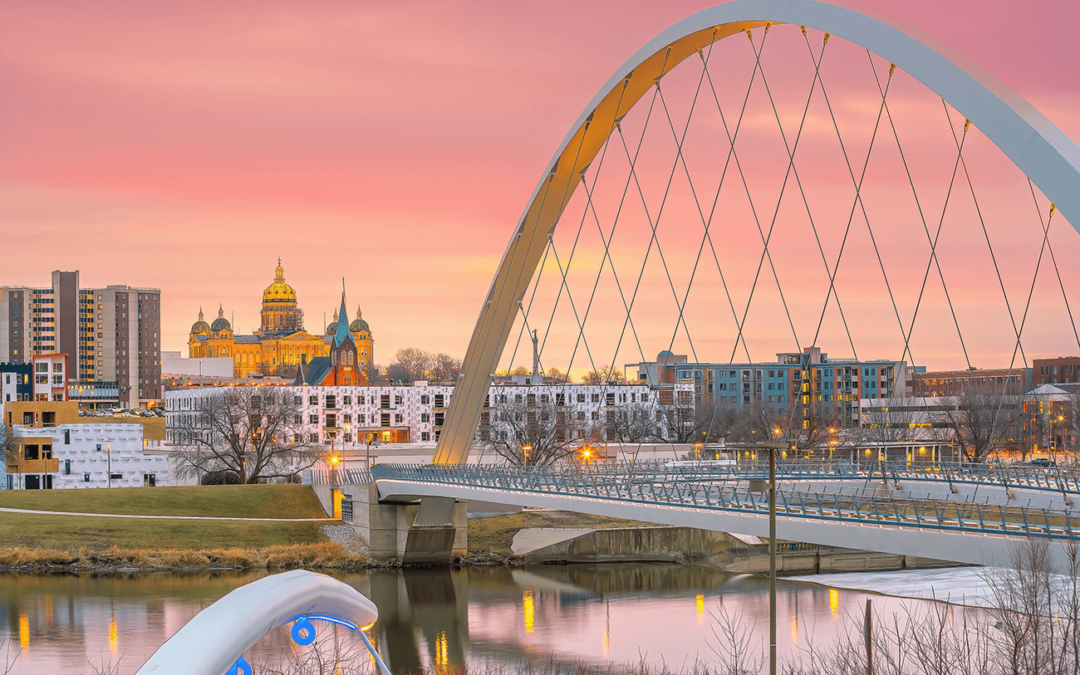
x=1034 y=144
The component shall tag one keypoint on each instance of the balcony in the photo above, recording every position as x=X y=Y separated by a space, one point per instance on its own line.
x=34 y=466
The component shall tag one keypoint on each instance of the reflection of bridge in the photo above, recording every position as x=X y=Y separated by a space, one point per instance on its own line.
x=951 y=530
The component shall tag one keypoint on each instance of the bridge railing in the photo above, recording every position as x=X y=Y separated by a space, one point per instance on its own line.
x=335 y=477
x=1054 y=479
x=849 y=508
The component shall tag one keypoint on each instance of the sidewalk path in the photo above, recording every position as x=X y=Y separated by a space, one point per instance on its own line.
x=120 y=515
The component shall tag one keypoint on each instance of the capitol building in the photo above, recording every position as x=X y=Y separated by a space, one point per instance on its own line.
x=281 y=344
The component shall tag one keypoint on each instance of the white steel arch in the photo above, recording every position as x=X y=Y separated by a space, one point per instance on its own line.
x=1038 y=148
x=212 y=642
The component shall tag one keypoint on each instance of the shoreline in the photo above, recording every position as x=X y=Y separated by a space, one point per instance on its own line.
x=317 y=557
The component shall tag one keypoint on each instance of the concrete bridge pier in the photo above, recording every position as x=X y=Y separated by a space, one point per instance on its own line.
x=414 y=530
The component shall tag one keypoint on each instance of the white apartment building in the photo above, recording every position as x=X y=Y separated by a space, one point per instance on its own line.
x=58 y=450
x=416 y=414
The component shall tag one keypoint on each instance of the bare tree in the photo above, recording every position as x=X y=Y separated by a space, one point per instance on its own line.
x=973 y=415
x=9 y=446
x=556 y=376
x=761 y=423
x=409 y=365
x=252 y=432
x=629 y=423
x=680 y=421
x=523 y=422
x=445 y=368
x=605 y=374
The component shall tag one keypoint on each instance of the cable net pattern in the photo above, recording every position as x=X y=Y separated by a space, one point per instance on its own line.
x=789 y=190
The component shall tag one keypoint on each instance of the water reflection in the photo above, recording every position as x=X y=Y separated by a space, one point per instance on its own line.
x=433 y=618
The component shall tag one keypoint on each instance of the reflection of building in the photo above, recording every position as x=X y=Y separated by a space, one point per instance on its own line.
x=281 y=344
x=111 y=336
x=56 y=448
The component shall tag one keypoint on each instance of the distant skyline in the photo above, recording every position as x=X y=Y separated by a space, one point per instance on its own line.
x=188 y=146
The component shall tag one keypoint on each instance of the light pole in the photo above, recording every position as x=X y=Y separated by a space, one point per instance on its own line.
x=525 y=450
x=772 y=449
x=108 y=459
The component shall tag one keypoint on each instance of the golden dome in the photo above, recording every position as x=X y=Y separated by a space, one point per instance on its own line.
x=200 y=327
x=359 y=325
x=279 y=291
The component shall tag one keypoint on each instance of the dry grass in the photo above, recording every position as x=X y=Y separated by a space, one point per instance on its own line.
x=72 y=533
x=323 y=555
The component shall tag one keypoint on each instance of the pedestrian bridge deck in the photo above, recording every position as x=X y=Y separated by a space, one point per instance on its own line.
x=948 y=530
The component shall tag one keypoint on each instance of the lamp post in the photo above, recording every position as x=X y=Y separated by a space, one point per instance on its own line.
x=525 y=450
x=108 y=459
x=772 y=449
x=332 y=433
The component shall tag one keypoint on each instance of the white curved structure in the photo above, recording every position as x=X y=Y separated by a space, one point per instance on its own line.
x=212 y=642
x=1041 y=150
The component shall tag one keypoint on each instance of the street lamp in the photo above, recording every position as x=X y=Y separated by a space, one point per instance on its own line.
x=525 y=450
x=772 y=449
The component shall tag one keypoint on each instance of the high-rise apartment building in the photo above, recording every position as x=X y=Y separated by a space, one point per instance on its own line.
x=111 y=336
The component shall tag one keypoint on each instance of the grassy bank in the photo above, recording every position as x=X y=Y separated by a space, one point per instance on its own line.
x=322 y=555
x=46 y=541
x=234 y=501
x=493 y=536
x=62 y=541
x=71 y=533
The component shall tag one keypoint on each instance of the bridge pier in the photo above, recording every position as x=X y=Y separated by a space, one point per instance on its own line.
x=427 y=531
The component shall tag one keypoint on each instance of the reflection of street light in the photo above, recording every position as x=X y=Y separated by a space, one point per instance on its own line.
x=525 y=450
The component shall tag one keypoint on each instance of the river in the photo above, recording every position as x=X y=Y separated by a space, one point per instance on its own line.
x=442 y=617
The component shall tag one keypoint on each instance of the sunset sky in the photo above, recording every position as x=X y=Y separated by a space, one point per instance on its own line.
x=187 y=146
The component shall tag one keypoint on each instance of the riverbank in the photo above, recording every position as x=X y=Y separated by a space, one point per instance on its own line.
x=80 y=543
x=279 y=527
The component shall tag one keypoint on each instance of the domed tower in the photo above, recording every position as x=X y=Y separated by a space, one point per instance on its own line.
x=279 y=314
x=200 y=327
x=200 y=333
x=221 y=327
x=365 y=344
x=332 y=328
